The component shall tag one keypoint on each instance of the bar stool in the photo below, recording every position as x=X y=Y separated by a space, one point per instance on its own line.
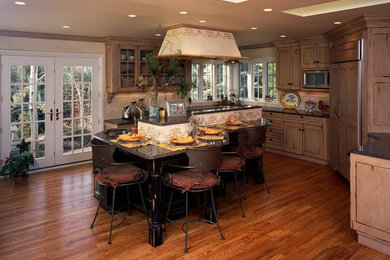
x=117 y=175
x=254 y=148
x=197 y=177
x=233 y=162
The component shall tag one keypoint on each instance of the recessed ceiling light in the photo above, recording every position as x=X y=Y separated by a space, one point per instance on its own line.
x=235 y=1
x=183 y=12
x=283 y=36
x=132 y=15
x=267 y=10
x=202 y=21
x=253 y=28
x=20 y=3
x=66 y=26
x=337 y=22
x=157 y=34
x=333 y=6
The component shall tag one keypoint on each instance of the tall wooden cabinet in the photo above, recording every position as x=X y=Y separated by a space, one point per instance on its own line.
x=288 y=63
x=360 y=85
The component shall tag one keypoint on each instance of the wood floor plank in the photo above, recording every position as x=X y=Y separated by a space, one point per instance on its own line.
x=306 y=216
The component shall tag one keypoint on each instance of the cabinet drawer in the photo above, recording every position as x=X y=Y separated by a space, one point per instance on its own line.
x=272 y=132
x=275 y=143
x=273 y=116
x=311 y=120
x=276 y=124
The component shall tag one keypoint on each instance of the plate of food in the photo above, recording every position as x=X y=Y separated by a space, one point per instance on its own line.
x=131 y=137
x=189 y=140
x=210 y=131
x=234 y=122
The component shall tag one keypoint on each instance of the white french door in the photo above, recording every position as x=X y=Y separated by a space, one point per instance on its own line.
x=52 y=103
x=76 y=108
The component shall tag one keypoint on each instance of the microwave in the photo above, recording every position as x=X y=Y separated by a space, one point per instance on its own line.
x=315 y=79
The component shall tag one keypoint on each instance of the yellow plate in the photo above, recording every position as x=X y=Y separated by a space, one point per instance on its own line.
x=290 y=99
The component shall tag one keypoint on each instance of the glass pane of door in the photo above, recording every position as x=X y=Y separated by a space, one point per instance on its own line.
x=28 y=107
x=76 y=109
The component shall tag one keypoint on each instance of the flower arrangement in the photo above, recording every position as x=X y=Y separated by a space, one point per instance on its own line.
x=18 y=162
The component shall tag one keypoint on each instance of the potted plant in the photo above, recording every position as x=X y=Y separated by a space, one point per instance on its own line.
x=16 y=165
x=162 y=82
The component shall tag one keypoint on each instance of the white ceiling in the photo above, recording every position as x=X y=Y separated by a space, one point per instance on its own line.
x=101 y=18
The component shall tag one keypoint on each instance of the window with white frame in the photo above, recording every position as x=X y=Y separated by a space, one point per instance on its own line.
x=257 y=79
x=212 y=80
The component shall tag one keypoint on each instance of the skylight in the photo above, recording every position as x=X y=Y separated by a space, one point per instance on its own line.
x=333 y=6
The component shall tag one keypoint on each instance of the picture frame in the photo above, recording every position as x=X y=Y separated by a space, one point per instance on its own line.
x=176 y=108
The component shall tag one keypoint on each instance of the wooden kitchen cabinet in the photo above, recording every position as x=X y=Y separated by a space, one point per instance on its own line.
x=125 y=63
x=370 y=190
x=288 y=63
x=275 y=131
x=293 y=137
x=315 y=56
x=304 y=136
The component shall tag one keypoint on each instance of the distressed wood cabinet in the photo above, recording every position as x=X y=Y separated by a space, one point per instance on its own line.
x=315 y=53
x=288 y=63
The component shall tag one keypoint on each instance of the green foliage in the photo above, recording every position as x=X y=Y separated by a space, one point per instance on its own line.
x=17 y=164
x=165 y=81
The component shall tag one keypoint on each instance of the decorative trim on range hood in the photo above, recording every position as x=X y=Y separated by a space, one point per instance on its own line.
x=187 y=42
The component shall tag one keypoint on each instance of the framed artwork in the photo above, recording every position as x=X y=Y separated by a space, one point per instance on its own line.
x=176 y=108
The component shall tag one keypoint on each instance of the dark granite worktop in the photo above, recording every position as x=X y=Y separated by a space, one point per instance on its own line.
x=167 y=121
x=378 y=149
x=380 y=136
x=295 y=111
x=214 y=109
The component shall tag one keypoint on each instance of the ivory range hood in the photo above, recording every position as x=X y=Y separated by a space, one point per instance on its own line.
x=189 y=42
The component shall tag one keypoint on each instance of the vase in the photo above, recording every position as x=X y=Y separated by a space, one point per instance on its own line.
x=154 y=109
x=20 y=180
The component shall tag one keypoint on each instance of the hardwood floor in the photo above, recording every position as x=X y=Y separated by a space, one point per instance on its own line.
x=306 y=216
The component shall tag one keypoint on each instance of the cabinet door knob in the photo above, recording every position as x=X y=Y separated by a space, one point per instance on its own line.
x=270 y=130
x=314 y=61
x=301 y=117
x=270 y=121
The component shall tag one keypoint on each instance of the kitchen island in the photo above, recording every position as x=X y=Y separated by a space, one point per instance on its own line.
x=154 y=155
x=370 y=190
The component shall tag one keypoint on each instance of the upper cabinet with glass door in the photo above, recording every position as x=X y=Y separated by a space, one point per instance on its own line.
x=126 y=62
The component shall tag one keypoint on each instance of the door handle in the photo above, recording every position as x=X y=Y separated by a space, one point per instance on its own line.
x=51 y=114
x=58 y=114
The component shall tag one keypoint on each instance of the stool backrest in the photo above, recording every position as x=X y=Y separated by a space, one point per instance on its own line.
x=208 y=157
x=102 y=154
x=256 y=135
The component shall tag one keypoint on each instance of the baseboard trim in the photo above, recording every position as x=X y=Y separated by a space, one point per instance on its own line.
x=297 y=156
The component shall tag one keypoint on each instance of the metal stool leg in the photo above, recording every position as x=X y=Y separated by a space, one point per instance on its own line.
x=169 y=207
x=143 y=203
x=97 y=212
x=244 y=172
x=216 y=217
x=112 y=214
x=128 y=200
x=186 y=230
x=238 y=195
x=262 y=173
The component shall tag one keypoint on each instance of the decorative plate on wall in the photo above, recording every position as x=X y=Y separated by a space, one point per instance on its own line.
x=290 y=99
